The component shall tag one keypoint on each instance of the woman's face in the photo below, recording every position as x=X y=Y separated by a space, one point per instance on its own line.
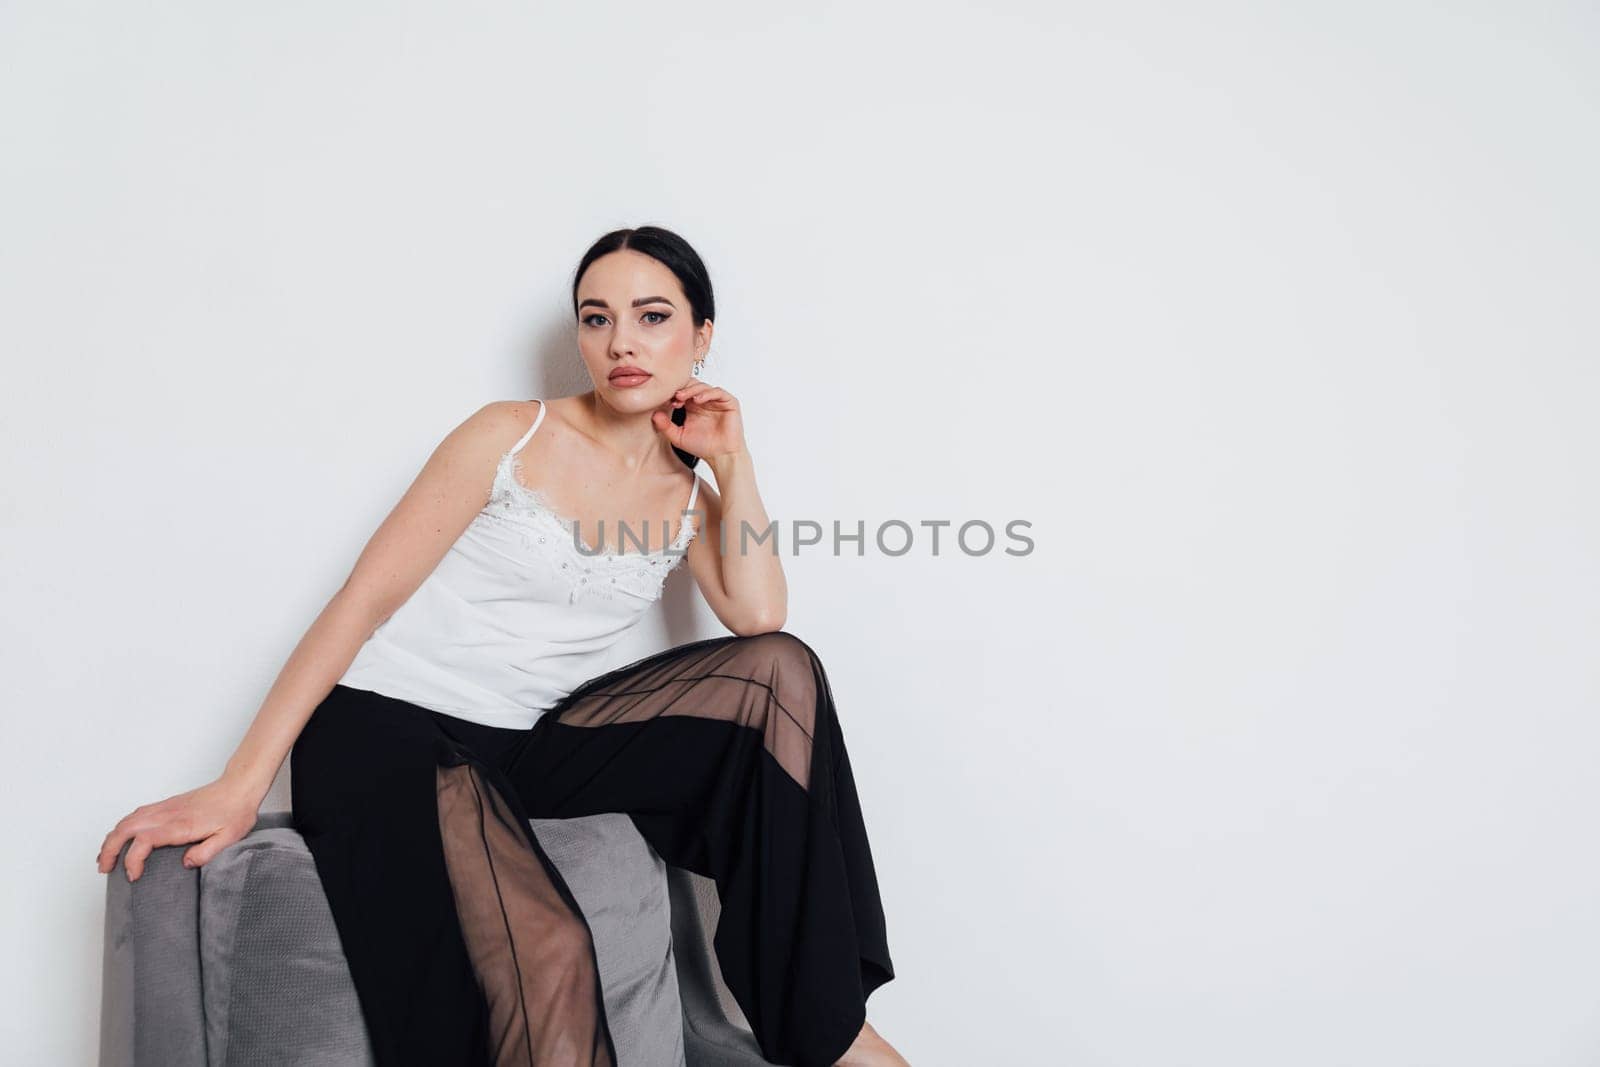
x=632 y=313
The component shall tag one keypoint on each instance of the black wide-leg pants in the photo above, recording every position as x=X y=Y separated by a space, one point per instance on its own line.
x=465 y=944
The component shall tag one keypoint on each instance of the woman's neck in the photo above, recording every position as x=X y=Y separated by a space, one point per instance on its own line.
x=631 y=439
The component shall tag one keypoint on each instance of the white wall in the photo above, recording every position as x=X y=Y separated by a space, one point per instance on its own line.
x=1276 y=322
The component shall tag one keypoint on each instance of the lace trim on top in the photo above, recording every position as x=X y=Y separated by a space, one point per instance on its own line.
x=554 y=536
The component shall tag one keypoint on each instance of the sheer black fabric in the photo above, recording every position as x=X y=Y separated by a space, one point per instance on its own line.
x=465 y=944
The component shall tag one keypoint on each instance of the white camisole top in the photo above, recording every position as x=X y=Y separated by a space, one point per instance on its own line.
x=519 y=612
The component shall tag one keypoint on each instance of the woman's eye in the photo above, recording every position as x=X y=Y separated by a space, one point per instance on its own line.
x=663 y=316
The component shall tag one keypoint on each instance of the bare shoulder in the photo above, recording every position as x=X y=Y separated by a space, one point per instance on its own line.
x=499 y=423
x=474 y=445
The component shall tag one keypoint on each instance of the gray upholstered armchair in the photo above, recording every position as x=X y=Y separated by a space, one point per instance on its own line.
x=239 y=962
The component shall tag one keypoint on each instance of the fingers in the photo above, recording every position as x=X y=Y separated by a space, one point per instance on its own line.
x=109 y=849
x=708 y=395
x=205 y=851
x=126 y=827
x=666 y=427
x=147 y=833
x=138 y=852
x=691 y=389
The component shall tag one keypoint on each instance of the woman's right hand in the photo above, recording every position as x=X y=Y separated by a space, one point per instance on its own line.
x=213 y=817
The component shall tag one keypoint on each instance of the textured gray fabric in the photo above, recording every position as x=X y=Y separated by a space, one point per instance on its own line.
x=150 y=1003
x=239 y=962
x=277 y=987
x=715 y=1031
x=621 y=885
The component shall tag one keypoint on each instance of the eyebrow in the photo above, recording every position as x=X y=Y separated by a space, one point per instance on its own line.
x=643 y=300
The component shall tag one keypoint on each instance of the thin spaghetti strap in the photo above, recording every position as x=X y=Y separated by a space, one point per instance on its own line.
x=518 y=446
x=693 y=491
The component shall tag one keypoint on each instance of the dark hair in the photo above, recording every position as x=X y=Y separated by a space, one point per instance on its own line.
x=674 y=253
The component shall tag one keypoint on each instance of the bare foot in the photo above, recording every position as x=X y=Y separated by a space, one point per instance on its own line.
x=869 y=1049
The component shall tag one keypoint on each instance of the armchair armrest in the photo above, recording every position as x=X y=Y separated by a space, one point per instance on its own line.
x=715 y=1033
x=151 y=1008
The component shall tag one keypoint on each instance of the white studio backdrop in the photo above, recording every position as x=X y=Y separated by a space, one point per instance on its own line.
x=1275 y=322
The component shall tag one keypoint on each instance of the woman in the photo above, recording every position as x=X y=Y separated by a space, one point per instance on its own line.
x=456 y=686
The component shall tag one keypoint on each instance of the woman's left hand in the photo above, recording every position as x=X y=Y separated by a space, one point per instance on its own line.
x=713 y=425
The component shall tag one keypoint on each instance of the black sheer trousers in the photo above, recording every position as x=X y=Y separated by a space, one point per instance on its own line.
x=464 y=942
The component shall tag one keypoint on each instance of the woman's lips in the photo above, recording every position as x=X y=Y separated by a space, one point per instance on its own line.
x=627 y=381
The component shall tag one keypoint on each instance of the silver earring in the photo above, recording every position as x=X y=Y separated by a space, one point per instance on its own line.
x=698 y=365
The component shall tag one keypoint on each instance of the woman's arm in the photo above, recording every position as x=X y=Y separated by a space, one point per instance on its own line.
x=443 y=499
x=744 y=585
x=742 y=580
